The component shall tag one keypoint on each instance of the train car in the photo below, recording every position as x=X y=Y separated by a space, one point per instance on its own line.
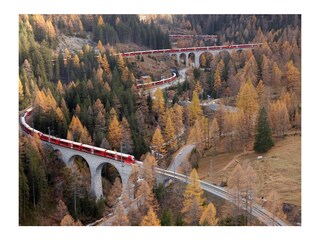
x=34 y=131
x=113 y=154
x=129 y=159
x=28 y=112
x=126 y=158
x=171 y=50
x=28 y=129
x=55 y=140
x=110 y=154
x=87 y=148
x=214 y=48
x=77 y=146
x=99 y=151
x=66 y=143
x=45 y=137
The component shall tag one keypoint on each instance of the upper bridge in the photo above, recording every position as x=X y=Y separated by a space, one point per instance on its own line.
x=196 y=51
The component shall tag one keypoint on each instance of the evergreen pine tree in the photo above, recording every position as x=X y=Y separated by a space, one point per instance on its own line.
x=263 y=140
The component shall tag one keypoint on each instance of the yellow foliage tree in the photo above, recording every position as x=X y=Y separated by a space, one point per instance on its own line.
x=261 y=93
x=120 y=64
x=158 y=106
x=293 y=78
x=101 y=47
x=177 y=118
x=215 y=134
x=146 y=197
x=208 y=217
x=247 y=100
x=68 y=220
x=149 y=165
x=236 y=185
x=50 y=29
x=115 y=133
x=198 y=87
x=193 y=199
x=21 y=95
x=125 y=74
x=121 y=218
x=105 y=64
x=276 y=75
x=203 y=60
x=169 y=134
x=60 y=88
x=77 y=132
x=76 y=61
x=100 y=21
x=279 y=118
x=194 y=108
x=150 y=219
x=157 y=143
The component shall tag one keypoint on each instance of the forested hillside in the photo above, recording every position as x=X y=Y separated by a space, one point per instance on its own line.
x=90 y=96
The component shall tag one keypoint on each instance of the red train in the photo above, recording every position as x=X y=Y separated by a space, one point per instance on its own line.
x=126 y=158
x=160 y=82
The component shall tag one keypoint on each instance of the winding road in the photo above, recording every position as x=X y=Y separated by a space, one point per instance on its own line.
x=185 y=151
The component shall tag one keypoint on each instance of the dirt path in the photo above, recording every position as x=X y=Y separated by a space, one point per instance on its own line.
x=235 y=158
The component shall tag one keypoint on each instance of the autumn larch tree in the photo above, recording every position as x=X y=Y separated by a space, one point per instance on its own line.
x=149 y=165
x=21 y=95
x=198 y=87
x=194 y=108
x=217 y=77
x=279 y=118
x=215 y=134
x=115 y=133
x=127 y=144
x=203 y=60
x=236 y=185
x=292 y=75
x=150 y=219
x=69 y=221
x=177 y=118
x=169 y=134
x=120 y=219
x=247 y=100
x=114 y=193
x=193 y=200
x=120 y=64
x=261 y=94
x=146 y=198
x=208 y=217
x=157 y=143
x=266 y=70
x=263 y=142
x=251 y=183
x=100 y=47
x=276 y=75
x=250 y=70
x=77 y=132
x=158 y=106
